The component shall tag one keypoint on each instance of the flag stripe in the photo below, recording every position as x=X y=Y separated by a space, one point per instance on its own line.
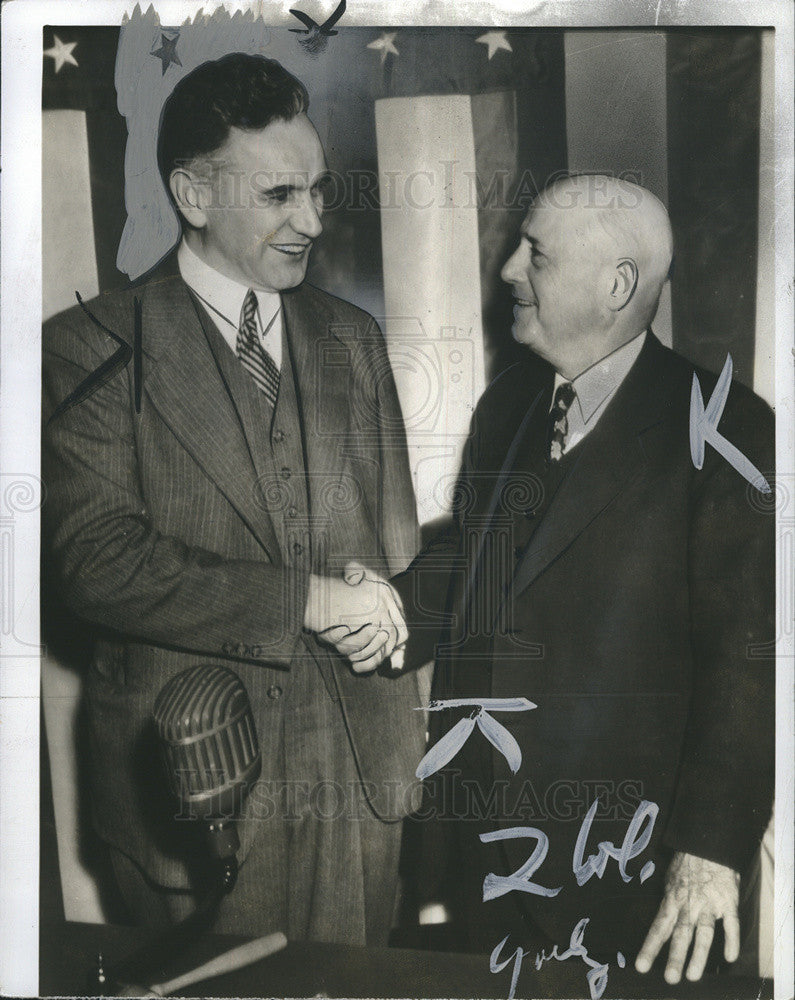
x=497 y=163
x=67 y=235
x=107 y=136
x=713 y=163
x=432 y=281
x=535 y=76
x=616 y=116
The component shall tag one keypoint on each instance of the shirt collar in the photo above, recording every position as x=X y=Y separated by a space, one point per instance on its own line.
x=222 y=294
x=601 y=380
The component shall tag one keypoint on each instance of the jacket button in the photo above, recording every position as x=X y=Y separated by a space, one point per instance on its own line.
x=298 y=548
x=286 y=473
x=292 y=512
x=530 y=513
x=274 y=692
x=278 y=435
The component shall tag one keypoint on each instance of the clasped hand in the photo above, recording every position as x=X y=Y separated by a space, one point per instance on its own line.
x=360 y=615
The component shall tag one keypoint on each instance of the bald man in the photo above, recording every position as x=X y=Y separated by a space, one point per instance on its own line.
x=594 y=570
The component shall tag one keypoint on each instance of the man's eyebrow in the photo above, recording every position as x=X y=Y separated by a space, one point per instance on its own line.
x=277 y=189
x=287 y=187
x=532 y=240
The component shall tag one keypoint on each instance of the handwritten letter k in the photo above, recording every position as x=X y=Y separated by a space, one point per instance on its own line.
x=704 y=427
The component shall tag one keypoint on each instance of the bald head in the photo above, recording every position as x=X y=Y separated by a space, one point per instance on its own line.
x=589 y=270
x=622 y=220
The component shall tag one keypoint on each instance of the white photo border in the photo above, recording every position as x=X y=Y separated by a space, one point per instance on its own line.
x=20 y=332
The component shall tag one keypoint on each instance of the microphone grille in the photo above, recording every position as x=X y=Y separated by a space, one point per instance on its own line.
x=209 y=742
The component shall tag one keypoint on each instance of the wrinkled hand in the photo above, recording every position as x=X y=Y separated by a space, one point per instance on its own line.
x=359 y=615
x=697 y=893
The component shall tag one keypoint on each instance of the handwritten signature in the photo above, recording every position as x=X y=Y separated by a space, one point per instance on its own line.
x=597 y=971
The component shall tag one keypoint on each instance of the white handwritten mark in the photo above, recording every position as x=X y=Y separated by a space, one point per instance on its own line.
x=519 y=881
x=636 y=840
x=443 y=751
x=596 y=975
x=704 y=427
x=634 y=843
x=516 y=958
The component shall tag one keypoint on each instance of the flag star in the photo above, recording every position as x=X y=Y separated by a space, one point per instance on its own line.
x=495 y=40
x=61 y=52
x=167 y=53
x=386 y=44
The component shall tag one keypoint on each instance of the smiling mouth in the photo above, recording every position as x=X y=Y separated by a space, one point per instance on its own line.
x=523 y=302
x=291 y=249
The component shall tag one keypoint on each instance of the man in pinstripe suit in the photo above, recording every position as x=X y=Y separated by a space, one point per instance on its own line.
x=206 y=515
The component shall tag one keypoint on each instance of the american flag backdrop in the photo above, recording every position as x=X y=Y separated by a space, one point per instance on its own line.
x=437 y=138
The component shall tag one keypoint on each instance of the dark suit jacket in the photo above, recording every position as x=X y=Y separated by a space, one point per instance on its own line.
x=640 y=623
x=163 y=536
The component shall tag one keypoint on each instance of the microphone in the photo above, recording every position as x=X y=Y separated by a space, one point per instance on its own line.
x=209 y=748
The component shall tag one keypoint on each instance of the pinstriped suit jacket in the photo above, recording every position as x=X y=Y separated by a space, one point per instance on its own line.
x=162 y=538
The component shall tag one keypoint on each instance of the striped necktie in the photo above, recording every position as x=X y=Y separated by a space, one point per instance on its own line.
x=253 y=356
x=559 y=421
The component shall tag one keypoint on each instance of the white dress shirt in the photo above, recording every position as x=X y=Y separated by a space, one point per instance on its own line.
x=595 y=387
x=224 y=301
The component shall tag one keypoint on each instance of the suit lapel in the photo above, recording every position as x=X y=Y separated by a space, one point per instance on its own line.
x=187 y=389
x=539 y=395
x=604 y=464
x=323 y=385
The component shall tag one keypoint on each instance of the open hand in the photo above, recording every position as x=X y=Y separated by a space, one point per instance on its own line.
x=697 y=893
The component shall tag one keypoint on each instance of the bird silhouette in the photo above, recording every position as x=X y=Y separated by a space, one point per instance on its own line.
x=317 y=35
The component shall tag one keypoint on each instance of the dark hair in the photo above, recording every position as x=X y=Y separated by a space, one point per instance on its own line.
x=236 y=91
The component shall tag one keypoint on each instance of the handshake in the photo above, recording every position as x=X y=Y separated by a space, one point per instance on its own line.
x=360 y=615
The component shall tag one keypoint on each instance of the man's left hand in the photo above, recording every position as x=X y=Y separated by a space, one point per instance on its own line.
x=697 y=893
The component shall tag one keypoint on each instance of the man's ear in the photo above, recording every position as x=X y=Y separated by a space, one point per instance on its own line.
x=189 y=195
x=625 y=281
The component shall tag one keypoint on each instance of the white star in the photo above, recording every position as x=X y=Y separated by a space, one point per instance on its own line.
x=61 y=52
x=386 y=44
x=495 y=40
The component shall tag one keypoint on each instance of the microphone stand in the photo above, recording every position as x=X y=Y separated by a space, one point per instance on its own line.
x=144 y=964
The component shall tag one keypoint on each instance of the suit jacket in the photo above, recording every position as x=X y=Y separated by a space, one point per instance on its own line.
x=639 y=619
x=166 y=530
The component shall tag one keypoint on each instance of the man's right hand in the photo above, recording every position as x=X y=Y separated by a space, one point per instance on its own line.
x=359 y=616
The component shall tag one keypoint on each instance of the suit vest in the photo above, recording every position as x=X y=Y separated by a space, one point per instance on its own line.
x=275 y=438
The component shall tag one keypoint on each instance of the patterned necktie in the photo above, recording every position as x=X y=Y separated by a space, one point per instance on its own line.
x=559 y=421
x=253 y=356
